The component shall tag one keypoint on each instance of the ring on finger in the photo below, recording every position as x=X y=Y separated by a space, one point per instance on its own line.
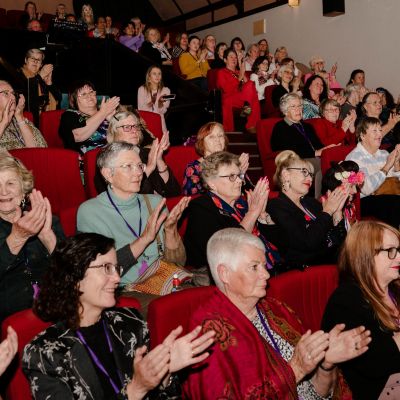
x=309 y=356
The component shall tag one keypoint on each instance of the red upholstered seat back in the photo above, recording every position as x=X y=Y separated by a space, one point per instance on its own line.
x=89 y=172
x=13 y=17
x=306 y=292
x=212 y=79
x=28 y=325
x=48 y=124
x=28 y=115
x=178 y=157
x=337 y=153
x=270 y=110
x=172 y=310
x=153 y=122
x=56 y=173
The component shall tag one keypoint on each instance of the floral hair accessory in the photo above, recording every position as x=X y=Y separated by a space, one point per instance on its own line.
x=354 y=178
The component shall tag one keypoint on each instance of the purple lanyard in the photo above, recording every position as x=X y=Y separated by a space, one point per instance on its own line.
x=96 y=359
x=300 y=128
x=126 y=222
x=269 y=333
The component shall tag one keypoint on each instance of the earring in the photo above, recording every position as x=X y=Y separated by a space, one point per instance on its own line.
x=286 y=186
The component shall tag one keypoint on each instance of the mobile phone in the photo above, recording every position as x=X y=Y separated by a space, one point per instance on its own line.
x=169 y=96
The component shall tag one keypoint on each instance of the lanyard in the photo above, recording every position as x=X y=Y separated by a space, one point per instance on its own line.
x=126 y=222
x=96 y=360
x=269 y=333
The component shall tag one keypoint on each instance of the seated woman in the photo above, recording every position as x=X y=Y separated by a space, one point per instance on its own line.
x=181 y=44
x=154 y=49
x=260 y=76
x=388 y=103
x=342 y=173
x=253 y=53
x=332 y=130
x=263 y=46
x=308 y=232
x=38 y=88
x=352 y=99
x=369 y=294
x=28 y=235
x=99 y=31
x=314 y=93
x=261 y=350
x=150 y=96
x=317 y=65
x=210 y=139
x=16 y=131
x=209 y=44
x=223 y=206
x=30 y=14
x=129 y=37
x=378 y=199
x=218 y=61
x=237 y=91
x=238 y=47
x=143 y=231
x=83 y=127
x=157 y=177
x=95 y=350
x=357 y=77
x=287 y=84
x=87 y=17
x=194 y=64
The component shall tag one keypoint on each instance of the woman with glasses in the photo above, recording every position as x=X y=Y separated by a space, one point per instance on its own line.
x=308 y=232
x=150 y=96
x=95 y=350
x=369 y=295
x=224 y=207
x=158 y=178
x=83 y=127
x=143 y=231
x=16 y=131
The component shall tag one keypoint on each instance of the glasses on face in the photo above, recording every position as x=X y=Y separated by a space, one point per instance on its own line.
x=375 y=103
x=305 y=172
x=8 y=93
x=86 y=95
x=233 y=177
x=331 y=110
x=35 y=60
x=109 y=268
x=130 y=167
x=392 y=252
x=128 y=127
x=296 y=107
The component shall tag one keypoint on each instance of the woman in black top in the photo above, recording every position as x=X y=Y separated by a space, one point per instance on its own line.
x=153 y=49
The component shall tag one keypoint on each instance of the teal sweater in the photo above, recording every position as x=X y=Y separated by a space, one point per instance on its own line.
x=99 y=215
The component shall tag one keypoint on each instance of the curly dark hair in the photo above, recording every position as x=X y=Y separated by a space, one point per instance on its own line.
x=59 y=295
x=329 y=182
x=306 y=90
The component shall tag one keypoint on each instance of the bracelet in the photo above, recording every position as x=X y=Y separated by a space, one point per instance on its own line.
x=164 y=170
x=327 y=369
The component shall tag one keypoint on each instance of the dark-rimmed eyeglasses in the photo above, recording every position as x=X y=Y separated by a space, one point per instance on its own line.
x=35 y=60
x=392 y=252
x=233 y=177
x=109 y=268
x=129 y=127
x=304 y=171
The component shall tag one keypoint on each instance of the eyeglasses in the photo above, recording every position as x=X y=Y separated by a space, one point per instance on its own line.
x=8 y=93
x=128 y=128
x=392 y=252
x=296 y=107
x=87 y=94
x=129 y=167
x=375 y=103
x=304 y=171
x=233 y=177
x=109 y=268
x=35 y=60
x=331 y=110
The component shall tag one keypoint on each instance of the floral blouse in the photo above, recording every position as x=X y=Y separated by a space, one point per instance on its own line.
x=310 y=110
x=192 y=180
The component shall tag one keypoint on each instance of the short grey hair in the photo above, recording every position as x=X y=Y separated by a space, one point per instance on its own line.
x=108 y=154
x=226 y=247
x=350 y=89
x=31 y=52
x=114 y=122
x=284 y=102
x=284 y=68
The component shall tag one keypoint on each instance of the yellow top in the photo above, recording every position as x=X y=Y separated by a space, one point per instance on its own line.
x=191 y=67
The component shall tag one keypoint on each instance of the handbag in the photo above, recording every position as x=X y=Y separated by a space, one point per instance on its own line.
x=390 y=185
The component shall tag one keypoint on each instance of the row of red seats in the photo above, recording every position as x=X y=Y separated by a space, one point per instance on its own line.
x=305 y=292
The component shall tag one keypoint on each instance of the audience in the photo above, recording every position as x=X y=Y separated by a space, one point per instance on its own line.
x=253 y=53
x=154 y=49
x=238 y=46
x=61 y=11
x=317 y=65
x=263 y=47
x=287 y=84
x=110 y=29
x=218 y=61
x=209 y=44
x=260 y=76
x=129 y=39
x=87 y=17
x=352 y=99
x=99 y=32
x=181 y=45
x=314 y=93
x=30 y=13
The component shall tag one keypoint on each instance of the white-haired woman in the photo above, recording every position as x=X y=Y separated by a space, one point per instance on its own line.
x=287 y=84
x=261 y=349
x=317 y=65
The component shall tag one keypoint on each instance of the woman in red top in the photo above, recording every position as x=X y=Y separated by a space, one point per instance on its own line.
x=237 y=91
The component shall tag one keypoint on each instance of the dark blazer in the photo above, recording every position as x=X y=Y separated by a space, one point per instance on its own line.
x=150 y=52
x=301 y=241
x=287 y=137
x=59 y=367
x=367 y=374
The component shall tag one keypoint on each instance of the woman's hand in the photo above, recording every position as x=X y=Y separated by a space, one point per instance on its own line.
x=46 y=234
x=154 y=222
x=8 y=349
x=308 y=353
x=164 y=145
x=319 y=152
x=7 y=115
x=46 y=73
x=152 y=157
x=258 y=197
x=171 y=223
x=188 y=349
x=244 y=162
x=335 y=200
x=19 y=108
x=108 y=107
x=393 y=157
x=149 y=370
x=346 y=345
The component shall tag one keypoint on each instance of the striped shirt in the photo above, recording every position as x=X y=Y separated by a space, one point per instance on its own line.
x=371 y=165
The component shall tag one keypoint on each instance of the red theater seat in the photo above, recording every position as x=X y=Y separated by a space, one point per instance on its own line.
x=337 y=153
x=153 y=122
x=269 y=109
x=49 y=123
x=89 y=172
x=178 y=157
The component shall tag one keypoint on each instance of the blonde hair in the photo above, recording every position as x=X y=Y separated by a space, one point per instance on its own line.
x=357 y=261
x=112 y=130
x=8 y=162
x=285 y=160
